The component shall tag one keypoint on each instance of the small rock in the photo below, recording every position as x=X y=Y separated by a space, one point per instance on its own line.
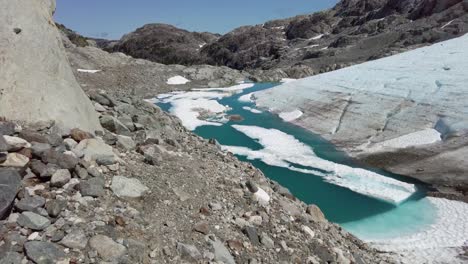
x=15 y=160
x=60 y=178
x=127 y=187
x=7 y=128
x=79 y=135
x=30 y=203
x=107 y=249
x=81 y=172
x=33 y=221
x=55 y=207
x=221 y=253
x=70 y=143
x=252 y=234
x=33 y=136
x=113 y=125
x=235 y=245
x=75 y=240
x=96 y=150
x=125 y=143
x=3 y=144
x=38 y=149
x=62 y=160
x=308 y=231
x=10 y=182
x=202 y=227
x=215 y=206
x=317 y=214
x=16 y=143
x=189 y=251
x=267 y=241
x=99 y=108
x=93 y=187
x=43 y=252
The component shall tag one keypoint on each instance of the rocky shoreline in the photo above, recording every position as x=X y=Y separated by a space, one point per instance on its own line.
x=148 y=191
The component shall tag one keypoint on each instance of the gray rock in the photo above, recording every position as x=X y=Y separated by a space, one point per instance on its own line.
x=114 y=125
x=70 y=143
x=38 y=149
x=33 y=221
x=107 y=249
x=42 y=170
x=3 y=156
x=189 y=251
x=60 y=178
x=221 y=253
x=10 y=182
x=51 y=74
x=125 y=142
x=55 y=207
x=97 y=150
x=316 y=214
x=64 y=161
x=30 y=203
x=7 y=128
x=75 y=240
x=3 y=144
x=93 y=187
x=252 y=234
x=267 y=241
x=43 y=252
x=128 y=187
x=81 y=172
x=11 y=258
x=94 y=171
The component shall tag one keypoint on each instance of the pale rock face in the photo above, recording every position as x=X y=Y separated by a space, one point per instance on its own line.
x=36 y=81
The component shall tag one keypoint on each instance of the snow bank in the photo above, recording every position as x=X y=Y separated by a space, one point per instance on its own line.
x=423 y=137
x=247 y=98
x=235 y=88
x=253 y=110
x=283 y=150
x=439 y=243
x=291 y=116
x=88 y=71
x=177 y=80
x=287 y=80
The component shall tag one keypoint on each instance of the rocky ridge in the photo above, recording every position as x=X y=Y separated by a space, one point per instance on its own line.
x=148 y=191
x=352 y=32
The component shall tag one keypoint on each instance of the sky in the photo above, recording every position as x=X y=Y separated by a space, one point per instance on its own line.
x=111 y=19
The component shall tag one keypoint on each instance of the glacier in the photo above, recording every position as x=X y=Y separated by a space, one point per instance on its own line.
x=383 y=99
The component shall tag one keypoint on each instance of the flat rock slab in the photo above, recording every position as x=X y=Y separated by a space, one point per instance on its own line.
x=43 y=252
x=33 y=221
x=128 y=187
x=108 y=249
x=30 y=203
x=10 y=182
x=96 y=150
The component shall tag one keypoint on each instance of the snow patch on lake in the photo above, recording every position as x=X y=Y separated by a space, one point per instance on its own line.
x=283 y=150
x=236 y=88
x=442 y=241
x=423 y=137
x=177 y=80
x=200 y=107
x=253 y=110
x=247 y=98
x=88 y=71
x=291 y=116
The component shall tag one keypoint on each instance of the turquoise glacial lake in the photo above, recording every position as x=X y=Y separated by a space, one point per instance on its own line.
x=364 y=216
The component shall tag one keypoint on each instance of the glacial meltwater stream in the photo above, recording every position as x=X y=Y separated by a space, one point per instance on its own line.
x=372 y=204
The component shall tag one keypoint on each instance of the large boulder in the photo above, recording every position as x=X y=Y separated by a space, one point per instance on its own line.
x=36 y=80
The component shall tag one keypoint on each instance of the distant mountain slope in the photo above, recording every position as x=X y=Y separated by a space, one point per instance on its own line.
x=164 y=44
x=353 y=31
